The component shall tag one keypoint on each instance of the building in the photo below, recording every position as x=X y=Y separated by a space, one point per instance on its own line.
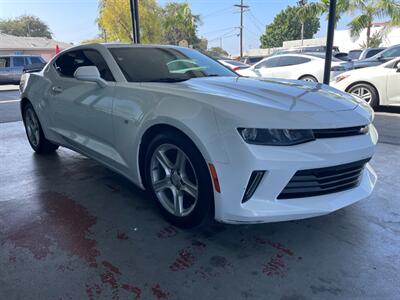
x=46 y=48
x=342 y=39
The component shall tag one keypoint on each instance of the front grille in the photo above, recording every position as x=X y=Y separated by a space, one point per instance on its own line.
x=340 y=132
x=315 y=182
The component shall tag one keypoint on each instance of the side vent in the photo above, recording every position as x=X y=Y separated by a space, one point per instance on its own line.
x=254 y=181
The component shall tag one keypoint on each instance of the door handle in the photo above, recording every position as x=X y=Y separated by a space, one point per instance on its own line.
x=57 y=89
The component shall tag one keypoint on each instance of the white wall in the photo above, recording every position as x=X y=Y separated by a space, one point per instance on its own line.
x=342 y=39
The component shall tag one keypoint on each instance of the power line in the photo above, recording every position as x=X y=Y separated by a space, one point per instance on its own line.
x=258 y=23
x=216 y=12
x=218 y=30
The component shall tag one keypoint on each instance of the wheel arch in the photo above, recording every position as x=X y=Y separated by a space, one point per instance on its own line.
x=23 y=103
x=152 y=131
x=308 y=75
x=368 y=83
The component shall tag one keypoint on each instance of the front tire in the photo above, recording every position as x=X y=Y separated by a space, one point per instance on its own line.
x=308 y=78
x=366 y=92
x=178 y=179
x=34 y=132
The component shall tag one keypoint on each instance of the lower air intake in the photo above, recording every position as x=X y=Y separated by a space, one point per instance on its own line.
x=315 y=182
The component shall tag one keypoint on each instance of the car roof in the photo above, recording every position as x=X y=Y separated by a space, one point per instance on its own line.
x=128 y=45
x=296 y=54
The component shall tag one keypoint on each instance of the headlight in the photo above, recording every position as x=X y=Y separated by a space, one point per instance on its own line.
x=341 y=77
x=276 y=137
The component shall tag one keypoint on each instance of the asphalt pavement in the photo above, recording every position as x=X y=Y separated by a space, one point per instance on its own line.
x=387 y=119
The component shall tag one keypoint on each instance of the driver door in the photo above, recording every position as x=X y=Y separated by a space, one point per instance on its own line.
x=393 y=85
x=82 y=110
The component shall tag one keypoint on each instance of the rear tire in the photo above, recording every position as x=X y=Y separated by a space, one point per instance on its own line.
x=34 y=132
x=366 y=92
x=178 y=179
x=308 y=78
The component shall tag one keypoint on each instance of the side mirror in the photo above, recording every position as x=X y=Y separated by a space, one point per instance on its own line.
x=89 y=73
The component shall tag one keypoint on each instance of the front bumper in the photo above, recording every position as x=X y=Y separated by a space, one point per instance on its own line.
x=280 y=164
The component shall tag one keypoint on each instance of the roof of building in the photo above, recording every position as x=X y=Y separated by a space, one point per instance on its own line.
x=11 y=42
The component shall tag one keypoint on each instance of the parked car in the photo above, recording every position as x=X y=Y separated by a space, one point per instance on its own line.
x=251 y=60
x=204 y=141
x=376 y=85
x=308 y=67
x=376 y=60
x=233 y=64
x=369 y=52
x=355 y=54
x=315 y=49
x=342 y=56
x=12 y=66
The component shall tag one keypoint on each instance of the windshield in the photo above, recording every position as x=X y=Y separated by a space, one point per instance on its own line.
x=162 y=64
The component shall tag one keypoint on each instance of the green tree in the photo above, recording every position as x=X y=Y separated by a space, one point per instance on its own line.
x=374 y=41
x=115 y=22
x=217 y=52
x=287 y=27
x=342 y=7
x=179 y=23
x=367 y=11
x=25 y=25
x=306 y=11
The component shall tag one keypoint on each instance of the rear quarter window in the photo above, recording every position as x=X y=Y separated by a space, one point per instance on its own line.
x=4 y=62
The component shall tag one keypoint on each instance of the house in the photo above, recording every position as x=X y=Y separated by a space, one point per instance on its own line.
x=18 y=45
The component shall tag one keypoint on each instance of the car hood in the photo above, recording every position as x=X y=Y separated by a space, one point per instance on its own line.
x=281 y=94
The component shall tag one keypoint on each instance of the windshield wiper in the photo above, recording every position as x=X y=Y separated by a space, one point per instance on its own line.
x=169 y=79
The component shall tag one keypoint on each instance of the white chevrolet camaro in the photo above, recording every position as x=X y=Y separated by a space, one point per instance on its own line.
x=201 y=139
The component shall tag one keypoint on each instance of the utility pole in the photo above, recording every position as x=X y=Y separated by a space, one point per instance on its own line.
x=329 y=40
x=135 y=21
x=242 y=7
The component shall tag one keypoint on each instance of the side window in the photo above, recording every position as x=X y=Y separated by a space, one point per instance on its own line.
x=273 y=62
x=392 y=52
x=292 y=60
x=4 y=62
x=371 y=53
x=19 y=61
x=94 y=58
x=67 y=63
x=36 y=60
x=269 y=63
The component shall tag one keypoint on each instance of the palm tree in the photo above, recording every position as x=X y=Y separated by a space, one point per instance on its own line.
x=306 y=11
x=369 y=10
x=342 y=6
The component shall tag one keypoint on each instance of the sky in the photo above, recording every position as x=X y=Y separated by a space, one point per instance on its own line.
x=75 y=20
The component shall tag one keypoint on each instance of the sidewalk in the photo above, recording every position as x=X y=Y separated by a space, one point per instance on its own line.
x=9 y=87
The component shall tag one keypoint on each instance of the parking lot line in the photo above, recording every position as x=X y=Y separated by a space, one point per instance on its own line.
x=9 y=101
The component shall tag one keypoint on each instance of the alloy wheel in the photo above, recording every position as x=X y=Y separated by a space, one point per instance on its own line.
x=174 y=180
x=32 y=127
x=362 y=93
